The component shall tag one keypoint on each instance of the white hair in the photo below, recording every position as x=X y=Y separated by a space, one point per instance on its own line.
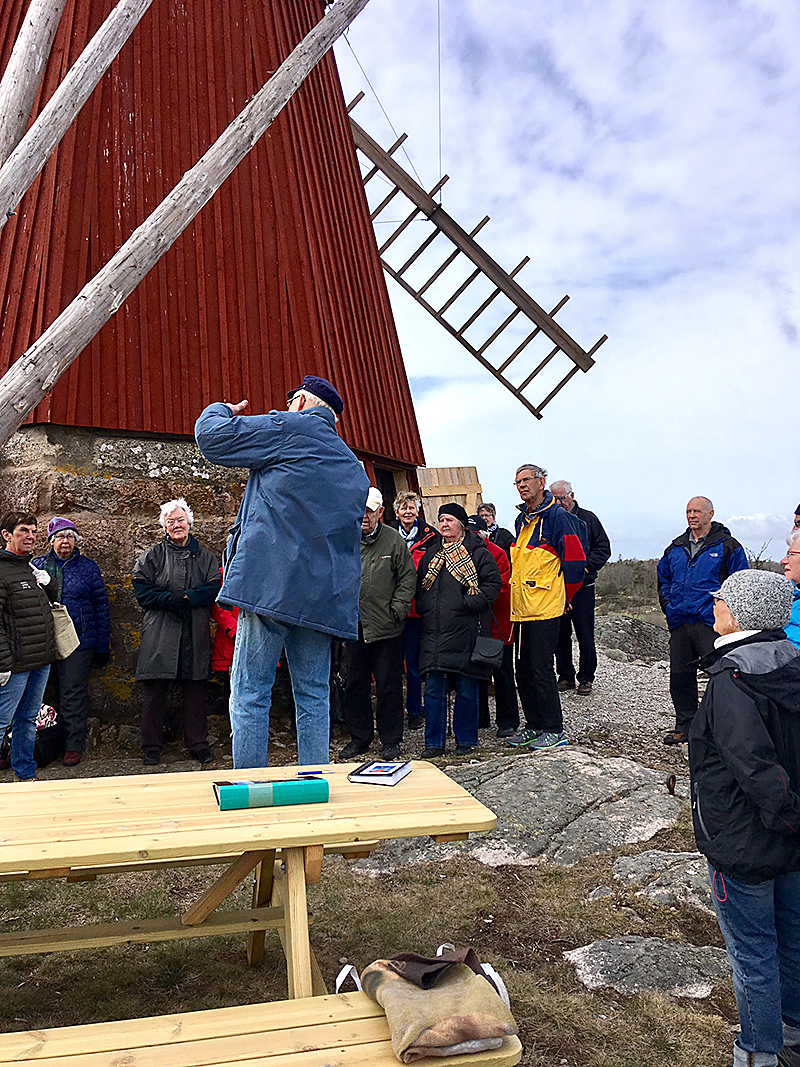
x=794 y=535
x=566 y=486
x=175 y=505
x=538 y=472
x=315 y=402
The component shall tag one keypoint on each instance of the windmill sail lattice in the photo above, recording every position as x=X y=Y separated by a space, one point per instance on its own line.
x=514 y=320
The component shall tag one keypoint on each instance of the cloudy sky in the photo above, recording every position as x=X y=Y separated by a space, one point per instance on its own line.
x=646 y=158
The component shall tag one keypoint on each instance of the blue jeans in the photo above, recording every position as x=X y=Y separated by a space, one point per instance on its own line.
x=412 y=636
x=465 y=712
x=20 y=700
x=761 y=927
x=259 y=642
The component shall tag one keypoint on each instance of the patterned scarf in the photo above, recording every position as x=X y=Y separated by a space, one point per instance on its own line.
x=455 y=558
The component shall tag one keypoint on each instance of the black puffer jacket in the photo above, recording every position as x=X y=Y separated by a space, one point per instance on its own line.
x=744 y=757
x=450 y=618
x=27 y=635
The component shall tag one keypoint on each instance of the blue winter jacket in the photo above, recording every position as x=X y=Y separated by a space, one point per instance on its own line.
x=685 y=585
x=295 y=550
x=83 y=593
x=792 y=630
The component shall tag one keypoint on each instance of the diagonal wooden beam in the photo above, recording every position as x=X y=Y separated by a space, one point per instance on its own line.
x=34 y=374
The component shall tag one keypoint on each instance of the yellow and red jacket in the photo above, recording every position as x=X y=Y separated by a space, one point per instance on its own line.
x=548 y=563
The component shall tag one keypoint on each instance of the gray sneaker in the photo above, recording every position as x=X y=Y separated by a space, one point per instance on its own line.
x=545 y=741
x=789 y=1056
x=524 y=737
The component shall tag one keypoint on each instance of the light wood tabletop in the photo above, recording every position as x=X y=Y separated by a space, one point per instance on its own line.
x=88 y=826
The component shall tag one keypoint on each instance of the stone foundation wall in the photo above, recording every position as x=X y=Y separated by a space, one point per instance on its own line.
x=112 y=488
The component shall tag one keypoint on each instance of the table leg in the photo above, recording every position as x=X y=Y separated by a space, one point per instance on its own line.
x=297 y=945
x=262 y=892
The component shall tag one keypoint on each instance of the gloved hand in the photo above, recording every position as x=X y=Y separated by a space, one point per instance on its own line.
x=4 y=677
x=100 y=659
x=178 y=603
x=42 y=577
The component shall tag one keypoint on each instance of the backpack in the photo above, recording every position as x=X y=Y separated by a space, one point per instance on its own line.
x=579 y=527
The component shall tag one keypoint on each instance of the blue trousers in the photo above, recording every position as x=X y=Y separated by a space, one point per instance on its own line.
x=20 y=700
x=465 y=712
x=259 y=642
x=412 y=636
x=761 y=927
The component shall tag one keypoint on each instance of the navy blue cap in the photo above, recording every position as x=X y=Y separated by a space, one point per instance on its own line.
x=475 y=522
x=322 y=389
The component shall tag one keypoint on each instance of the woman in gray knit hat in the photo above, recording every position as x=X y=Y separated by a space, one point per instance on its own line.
x=744 y=755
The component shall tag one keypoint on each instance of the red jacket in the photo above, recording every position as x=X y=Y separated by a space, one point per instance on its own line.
x=227 y=619
x=501 y=609
x=426 y=536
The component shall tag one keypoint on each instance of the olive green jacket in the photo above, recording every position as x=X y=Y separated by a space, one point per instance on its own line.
x=388 y=581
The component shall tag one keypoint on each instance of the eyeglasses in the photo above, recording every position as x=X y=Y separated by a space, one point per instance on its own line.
x=177 y=522
x=793 y=553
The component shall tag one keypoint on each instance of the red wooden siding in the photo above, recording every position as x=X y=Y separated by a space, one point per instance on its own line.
x=278 y=276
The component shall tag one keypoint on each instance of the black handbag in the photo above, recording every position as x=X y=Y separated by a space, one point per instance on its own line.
x=488 y=651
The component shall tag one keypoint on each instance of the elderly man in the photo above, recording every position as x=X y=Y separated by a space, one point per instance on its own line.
x=580 y=613
x=498 y=535
x=548 y=564
x=388 y=581
x=791 y=568
x=693 y=567
x=292 y=565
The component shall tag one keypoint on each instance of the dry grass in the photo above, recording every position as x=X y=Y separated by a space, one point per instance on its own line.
x=520 y=919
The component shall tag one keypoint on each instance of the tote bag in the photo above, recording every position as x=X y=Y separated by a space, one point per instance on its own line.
x=66 y=638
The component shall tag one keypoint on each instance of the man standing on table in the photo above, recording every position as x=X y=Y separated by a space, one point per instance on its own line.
x=293 y=562
x=580 y=613
x=692 y=568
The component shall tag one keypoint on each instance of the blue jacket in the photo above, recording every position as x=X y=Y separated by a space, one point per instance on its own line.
x=792 y=630
x=685 y=585
x=295 y=550
x=82 y=591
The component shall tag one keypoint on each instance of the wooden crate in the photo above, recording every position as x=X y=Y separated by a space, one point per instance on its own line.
x=446 y=485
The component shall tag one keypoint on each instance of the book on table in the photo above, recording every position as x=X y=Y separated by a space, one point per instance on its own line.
x=270 y=794
x=380 y=772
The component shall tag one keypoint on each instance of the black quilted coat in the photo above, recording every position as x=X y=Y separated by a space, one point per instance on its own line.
x=450 y=618
x=27 y=635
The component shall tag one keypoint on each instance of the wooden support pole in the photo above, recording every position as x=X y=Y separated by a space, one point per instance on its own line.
x=23 y=75
x=30 y=155
x=34 y=374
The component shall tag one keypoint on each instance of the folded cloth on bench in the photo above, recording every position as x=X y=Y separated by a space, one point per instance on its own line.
x=459 y=1013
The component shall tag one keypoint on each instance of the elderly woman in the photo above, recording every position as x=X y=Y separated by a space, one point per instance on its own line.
x=419 y=537
x=744 y=755
x=456 y=585
x=175 y=583
x=791 y=568
x=78 y=585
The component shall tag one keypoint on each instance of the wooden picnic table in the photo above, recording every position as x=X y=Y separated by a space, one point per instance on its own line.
x=84 y=827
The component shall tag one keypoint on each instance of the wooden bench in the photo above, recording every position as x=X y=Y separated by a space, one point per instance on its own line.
x=341 y=1030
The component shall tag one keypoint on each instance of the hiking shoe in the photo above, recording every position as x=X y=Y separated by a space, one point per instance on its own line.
x=523 y=737
x=353 y=749
x=789 y=1056
x=71 y=759
x=564 y=685
x=415 y=722
x=677 y=737
x=203 y=756
x=584 y=689
x=548 y=740
x=464 y=750
x=151 y=757
x=507 y=731
x=432 y=753
x=390 y=752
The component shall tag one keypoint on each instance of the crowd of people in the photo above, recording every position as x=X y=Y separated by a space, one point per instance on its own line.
x=455 y=606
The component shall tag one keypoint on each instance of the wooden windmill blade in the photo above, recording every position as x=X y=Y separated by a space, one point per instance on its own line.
x=506 y=300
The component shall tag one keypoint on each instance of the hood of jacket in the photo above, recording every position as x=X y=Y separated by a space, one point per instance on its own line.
x=717 y=533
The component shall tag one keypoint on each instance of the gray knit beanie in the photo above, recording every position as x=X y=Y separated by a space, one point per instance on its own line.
x=758 y=600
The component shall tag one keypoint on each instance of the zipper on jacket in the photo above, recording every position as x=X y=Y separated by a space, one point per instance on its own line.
x=696 y=806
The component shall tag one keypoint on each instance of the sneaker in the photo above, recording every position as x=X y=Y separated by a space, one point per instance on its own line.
x=464 y=750
x=415 y=722
x=432 y=753
x=203 y=756
x=151 y=757
x=523 y=737
x=789 y=1056
x=677 y=737
x=71 y=759
x=548 y=740
x=507 y=731
x=584 y=689
x=390 y=752
x=353 y=749
x=564 y=685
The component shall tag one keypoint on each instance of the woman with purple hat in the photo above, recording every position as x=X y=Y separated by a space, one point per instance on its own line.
x=79 y=586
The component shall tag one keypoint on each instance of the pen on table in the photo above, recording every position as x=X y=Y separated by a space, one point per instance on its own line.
x=312 y=774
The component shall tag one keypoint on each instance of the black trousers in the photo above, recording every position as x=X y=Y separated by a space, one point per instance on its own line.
x=687 y=644
x=195 y=707
x=536 y=676
x=505 y=695
x=68 y=691
x=383 y=661
x=581 y=618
